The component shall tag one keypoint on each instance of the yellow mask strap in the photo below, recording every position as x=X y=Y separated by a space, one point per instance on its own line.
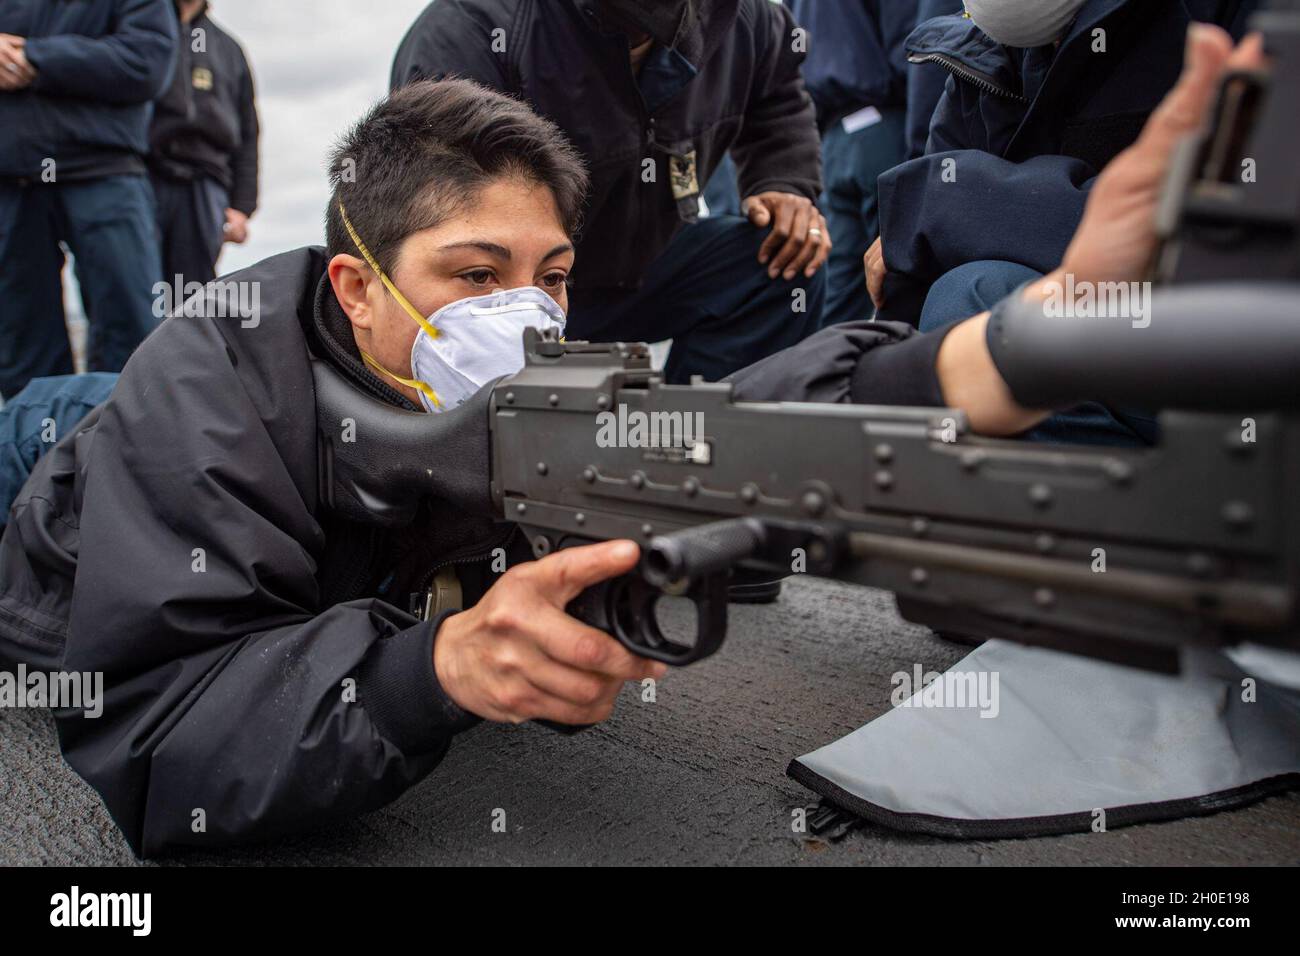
x=401 y=300
x=419 y=386
x=395 y=292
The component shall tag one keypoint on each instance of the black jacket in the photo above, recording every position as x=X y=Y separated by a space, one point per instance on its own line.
x=925 y=81
x=228 y=608
x=731 y=82
x=99 y=64
x=206 y=122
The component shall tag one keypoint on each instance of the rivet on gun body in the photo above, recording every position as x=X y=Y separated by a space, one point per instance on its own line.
x=1040 y=494
x=637 y=480
x=920 y=527
x=1044 y=597
x=814 y=502
x=510 y=398
x=521 y=508
x=541 y=546
x=691 y=486
x=971 y=460
x=1238 y=514
x=1200 y=564
x=920 y=577
x=1233 y=442
x=541 y=468
x=749 y=494
x=602 y=401
x=580 y=518
x=553 y=398
x=1045 y=543
x=884 y=480
x=884 y=453
x=589 y=474
x=1120 y=472
x=648 y=530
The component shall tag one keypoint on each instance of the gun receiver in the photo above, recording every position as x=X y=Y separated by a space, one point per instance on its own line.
x=1122 y=554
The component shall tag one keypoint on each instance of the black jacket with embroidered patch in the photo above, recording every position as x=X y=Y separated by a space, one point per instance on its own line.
x=206 y=122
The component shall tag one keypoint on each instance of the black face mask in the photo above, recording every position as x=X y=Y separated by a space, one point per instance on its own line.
x=657 y=18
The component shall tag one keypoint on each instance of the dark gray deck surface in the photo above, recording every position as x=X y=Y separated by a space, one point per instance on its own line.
x=698 y=777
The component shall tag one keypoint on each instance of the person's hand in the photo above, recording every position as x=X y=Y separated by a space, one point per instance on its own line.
x=517 y=656
x=1116 y=241
x=873 y=263
x=236 y=228
x=15 y=72
x=800 y=239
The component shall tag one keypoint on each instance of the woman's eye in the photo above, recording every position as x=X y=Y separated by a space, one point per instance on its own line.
x=479 y=277
x=554 y=280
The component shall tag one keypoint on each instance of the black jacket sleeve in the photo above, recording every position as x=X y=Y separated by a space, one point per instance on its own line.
x=778 y=148
x=244 y=163
x=457 y=38
x=863 y=363
x=235 y=706
x=132 y=64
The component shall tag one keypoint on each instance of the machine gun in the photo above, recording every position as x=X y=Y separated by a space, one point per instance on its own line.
x=1122 y=554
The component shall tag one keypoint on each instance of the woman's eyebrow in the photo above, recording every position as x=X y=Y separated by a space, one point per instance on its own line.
x=491 y=248
x=558 y=250
x=500 y=251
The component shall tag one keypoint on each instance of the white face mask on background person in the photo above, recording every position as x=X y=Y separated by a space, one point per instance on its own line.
x=1024 y=23
x=467 y=343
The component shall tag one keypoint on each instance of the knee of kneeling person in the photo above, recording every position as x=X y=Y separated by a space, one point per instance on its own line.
x=970 y=289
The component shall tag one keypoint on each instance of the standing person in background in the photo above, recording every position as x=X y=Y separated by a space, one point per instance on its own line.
x=203 y=148
x=654 y=96
x=925 y=80
x=76 y=83
x=856 y=72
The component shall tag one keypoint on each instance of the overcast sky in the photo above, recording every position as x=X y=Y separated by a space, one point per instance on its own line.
x=318 y=65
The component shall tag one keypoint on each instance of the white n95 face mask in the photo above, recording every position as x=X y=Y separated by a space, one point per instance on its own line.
x=466 y=343
x=478 y=340
x=1023 y=23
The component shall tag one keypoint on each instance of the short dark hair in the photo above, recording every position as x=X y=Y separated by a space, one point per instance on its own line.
x=422 y=152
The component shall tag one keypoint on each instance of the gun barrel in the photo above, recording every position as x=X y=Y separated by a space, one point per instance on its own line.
x=1209 y=347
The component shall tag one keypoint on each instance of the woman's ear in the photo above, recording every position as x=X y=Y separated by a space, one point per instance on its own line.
x=350 y=278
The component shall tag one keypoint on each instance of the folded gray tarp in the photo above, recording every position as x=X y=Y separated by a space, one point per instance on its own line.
x=1065 y=737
